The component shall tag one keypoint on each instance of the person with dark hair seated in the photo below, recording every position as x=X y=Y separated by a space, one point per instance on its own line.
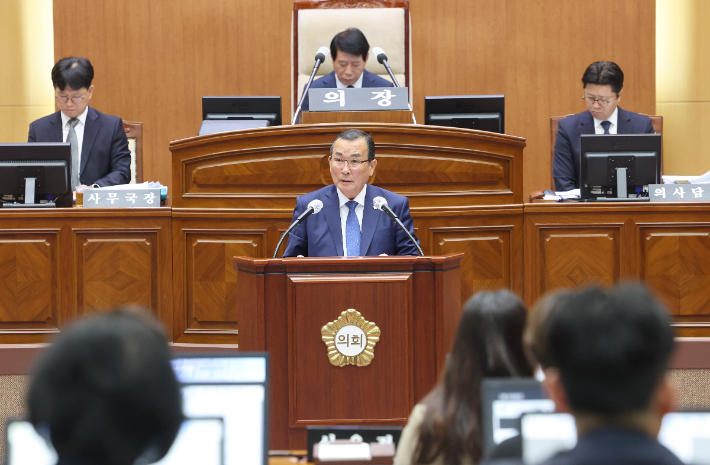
x=609 y=353
x=105 y=392
x=349 y=51
x=602 y=82
x=445 y=428
x=99 y=146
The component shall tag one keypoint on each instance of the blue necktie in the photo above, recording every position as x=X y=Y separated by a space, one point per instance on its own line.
x=605 y=125
x=352 y=231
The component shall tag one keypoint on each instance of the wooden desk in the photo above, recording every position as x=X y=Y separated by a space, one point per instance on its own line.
x=57 y=264
x=667 y=246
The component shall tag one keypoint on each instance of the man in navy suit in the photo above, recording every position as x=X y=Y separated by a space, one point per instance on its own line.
x=603 y=82
x=609 y=352
x=99 y=143
x=349 y=50
x=348 y=224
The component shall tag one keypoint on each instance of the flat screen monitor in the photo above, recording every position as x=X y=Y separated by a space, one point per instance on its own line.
x=503 y=402
x=234 y=387
x=200 y=440
x=242 y=111
x=686 y=434
x=35 y=175
x=482 y=112
x=619 y=166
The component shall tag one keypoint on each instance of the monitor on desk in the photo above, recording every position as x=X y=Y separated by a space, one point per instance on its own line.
x=35 y=175
x=619 y=166
x=231 y=113
x=482 y=112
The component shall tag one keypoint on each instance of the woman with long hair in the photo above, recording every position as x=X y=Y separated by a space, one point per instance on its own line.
x=445 y=428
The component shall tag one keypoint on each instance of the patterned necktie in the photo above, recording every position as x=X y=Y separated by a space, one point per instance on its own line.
x=605 y=125
x=352 y=231
x=72 y=139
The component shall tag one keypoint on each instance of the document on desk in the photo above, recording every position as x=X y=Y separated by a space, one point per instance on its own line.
x=702 y=179
x=573 y=194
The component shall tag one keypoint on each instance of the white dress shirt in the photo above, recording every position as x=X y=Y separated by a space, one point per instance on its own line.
x=79 y=128
x=613 y=119
x=344 y=210
x=357 y=85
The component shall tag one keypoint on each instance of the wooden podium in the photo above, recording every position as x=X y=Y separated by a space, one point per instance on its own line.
x=414 y=301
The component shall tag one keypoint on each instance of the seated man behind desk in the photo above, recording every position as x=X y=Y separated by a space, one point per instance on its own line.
x=348 y=225
x=349 y=51
x=603 y=82
x=609 y=352
x=99 y=144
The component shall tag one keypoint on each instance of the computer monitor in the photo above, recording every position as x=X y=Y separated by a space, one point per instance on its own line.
x=231 y=113
x=235 y=387
x=35 y=175
x=619 y=166
x=200 y=440
x=482 y=112
x=503 y=402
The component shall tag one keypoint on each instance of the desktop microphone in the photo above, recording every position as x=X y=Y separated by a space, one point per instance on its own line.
x=314 y=206
x=321 y=55
x=382 y=58
x=380 y=203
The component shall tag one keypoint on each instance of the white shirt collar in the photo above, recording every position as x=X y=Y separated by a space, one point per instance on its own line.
x=360 y=198
x=81 y=117
x=612 y=119
x=357 y=85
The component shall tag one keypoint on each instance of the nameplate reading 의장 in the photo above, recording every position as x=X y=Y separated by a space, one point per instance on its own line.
x=122 y=198
x=363 y=99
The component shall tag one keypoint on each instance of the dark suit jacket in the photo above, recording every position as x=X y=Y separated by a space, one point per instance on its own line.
x=612 y=446
x=565 y=166
x=321 y=234
x=328 y=82
x=105 y=158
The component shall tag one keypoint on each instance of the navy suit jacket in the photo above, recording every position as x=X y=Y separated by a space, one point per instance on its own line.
x=612 y=446
x=328 y=82
x=565 y=166
x=105 y=158
x=321 y=234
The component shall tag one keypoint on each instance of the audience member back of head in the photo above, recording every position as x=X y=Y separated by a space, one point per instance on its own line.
x=105 y=392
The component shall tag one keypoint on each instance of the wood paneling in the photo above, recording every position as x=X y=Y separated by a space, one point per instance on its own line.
x=154 y=61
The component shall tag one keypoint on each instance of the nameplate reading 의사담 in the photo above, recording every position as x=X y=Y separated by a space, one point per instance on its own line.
x=363 y=99
x=679 y=192
x=122 y=198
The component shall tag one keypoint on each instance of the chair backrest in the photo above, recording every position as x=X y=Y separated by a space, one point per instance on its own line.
x=134 y=133
x=385 y=23
x=656 y=121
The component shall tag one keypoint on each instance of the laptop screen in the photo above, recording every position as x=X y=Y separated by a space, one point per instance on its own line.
x=234 y=387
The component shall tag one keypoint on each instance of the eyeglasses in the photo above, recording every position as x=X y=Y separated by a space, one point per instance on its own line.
x=352 y=163
x=600 y=101
x=65 y=99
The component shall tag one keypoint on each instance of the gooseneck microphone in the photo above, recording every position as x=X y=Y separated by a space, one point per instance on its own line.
x=382 y=58
x=321 y=55
x=380 y=203
x=314 y=206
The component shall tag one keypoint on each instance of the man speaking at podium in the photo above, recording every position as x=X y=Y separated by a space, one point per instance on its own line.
x=349 y=51
x=348 y=224
x=99 y=147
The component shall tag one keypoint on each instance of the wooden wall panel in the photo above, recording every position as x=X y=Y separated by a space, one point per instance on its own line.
x=155 y=60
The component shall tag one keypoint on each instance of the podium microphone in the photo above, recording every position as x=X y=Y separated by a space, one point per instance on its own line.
x=380 y=203
x=382 y=58
x=314 y=206
x=321 y=55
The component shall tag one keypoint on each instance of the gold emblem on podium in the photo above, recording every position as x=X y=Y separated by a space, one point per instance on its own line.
x=350 y=339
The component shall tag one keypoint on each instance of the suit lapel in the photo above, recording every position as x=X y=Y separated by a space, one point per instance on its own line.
x=370 y=217
x=91 y=128
x=331 y=210
x=55 y=129
x=368 y=79
x=586 y=125
x=624 y=122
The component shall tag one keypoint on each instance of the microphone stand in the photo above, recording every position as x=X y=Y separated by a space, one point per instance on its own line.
x=396 y=84
x=385 y=208
x=305 y=91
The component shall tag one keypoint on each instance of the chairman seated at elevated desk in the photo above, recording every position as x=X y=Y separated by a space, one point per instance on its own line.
x=603 y=82
x=348 y=224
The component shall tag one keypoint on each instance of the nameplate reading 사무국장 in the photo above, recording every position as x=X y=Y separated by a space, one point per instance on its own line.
x=122 y=198
x=363 y=99
x=679 y=192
